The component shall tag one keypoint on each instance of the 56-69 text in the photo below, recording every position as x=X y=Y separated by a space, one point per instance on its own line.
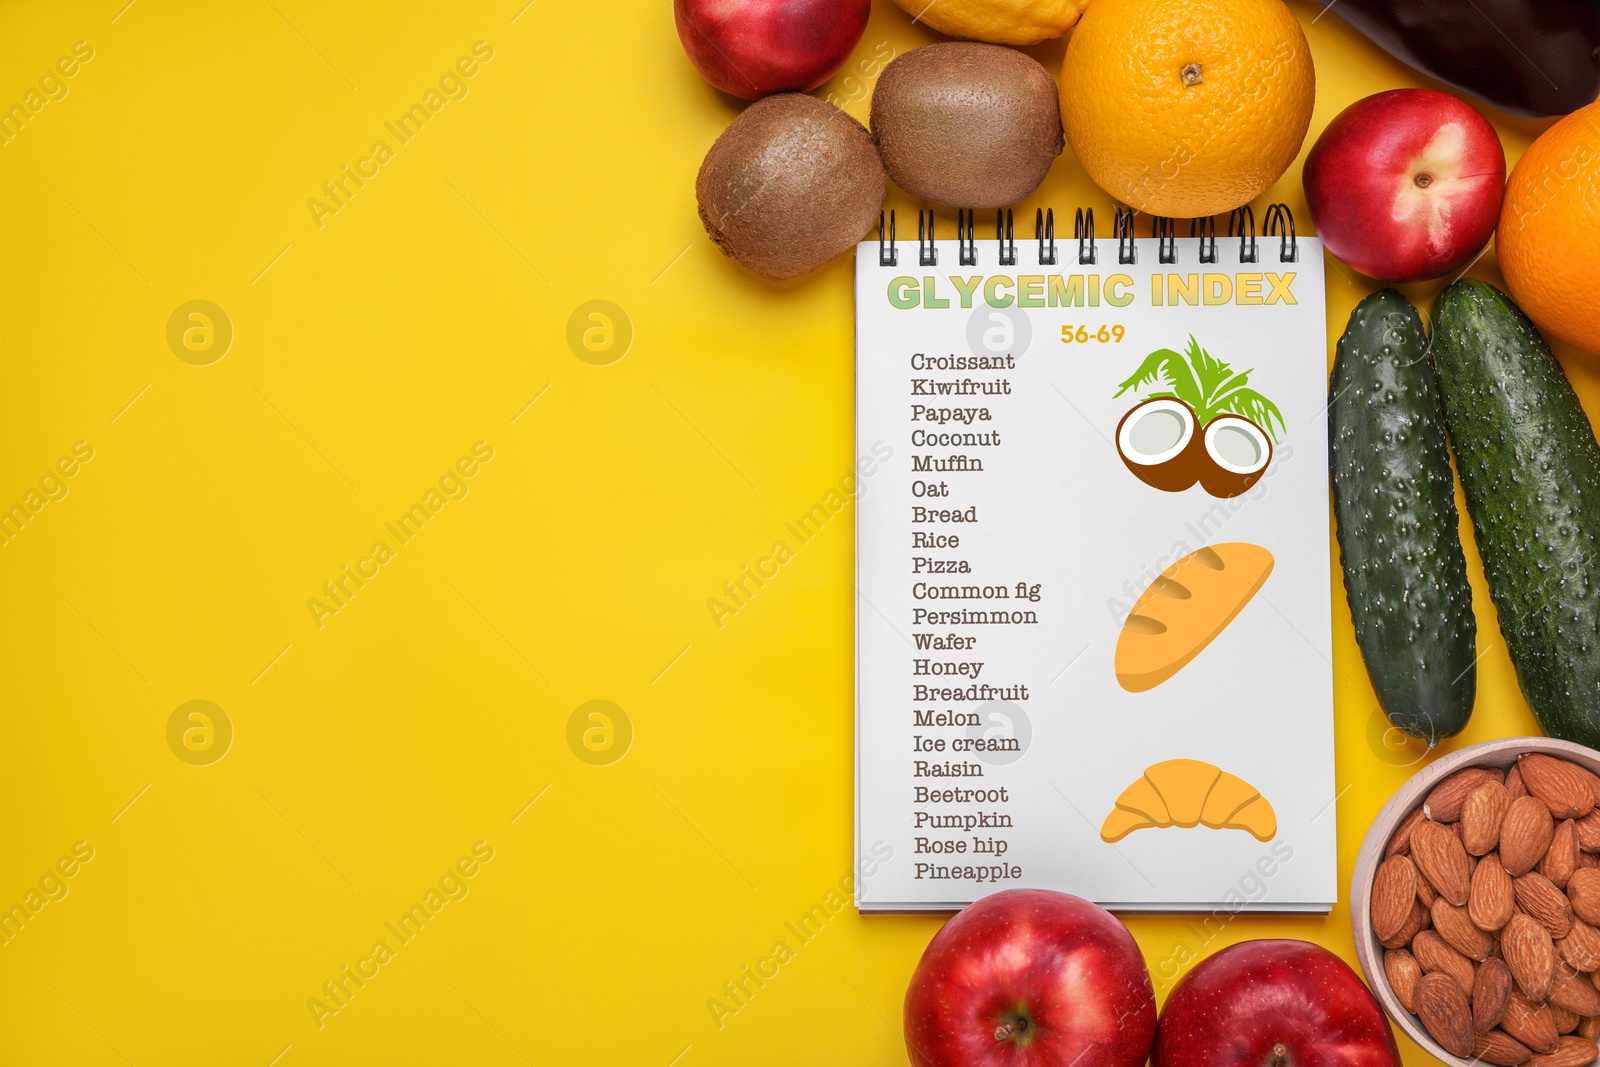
x=1083 y=334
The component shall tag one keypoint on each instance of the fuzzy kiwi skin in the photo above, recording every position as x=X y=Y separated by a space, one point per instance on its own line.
x=792 y=183
x=969 y=125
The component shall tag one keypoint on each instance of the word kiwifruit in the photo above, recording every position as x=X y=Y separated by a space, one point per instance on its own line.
x=792 y=183
x=970 y=125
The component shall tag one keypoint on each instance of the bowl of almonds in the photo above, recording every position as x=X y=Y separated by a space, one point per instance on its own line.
x=1476 y=905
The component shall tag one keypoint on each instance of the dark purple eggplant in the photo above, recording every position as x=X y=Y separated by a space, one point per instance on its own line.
x=1529 y=57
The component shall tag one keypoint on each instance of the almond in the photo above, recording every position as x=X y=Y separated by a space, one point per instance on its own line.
x=1435 y=956
x=1443 y=1009
x=1438 y=854
x=1566 y=1020
x=1561 y=858
x=1459 y=932
x=1444 y=802
x=1394 y=890
x=1581 y=946
x=1589 y=832
x=1574 y=991
x=1530 y=1024
x=1420 y=920
x=1525 y=835
x=1539 y=897
x=1566 y=788
x=1404 y=972
x=1492 y=897
x=1499 y=1047
x=1481 y=813
x=1400 y=843
x=1573 y=1052
x=1427 y=894
x=1583 y=889
x=1501 y=867
x=1491 y=992
x=1528 y=951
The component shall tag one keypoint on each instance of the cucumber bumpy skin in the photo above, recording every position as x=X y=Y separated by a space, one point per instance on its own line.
x=1399 y=541
x=1531 y=469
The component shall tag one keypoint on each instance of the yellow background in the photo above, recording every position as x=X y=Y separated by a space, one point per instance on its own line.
x=425 y=716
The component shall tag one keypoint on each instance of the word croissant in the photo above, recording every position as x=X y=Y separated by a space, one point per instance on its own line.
x=1187 y=792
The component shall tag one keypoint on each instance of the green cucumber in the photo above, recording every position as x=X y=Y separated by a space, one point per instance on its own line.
x=1531 y=470
x=1395 y=501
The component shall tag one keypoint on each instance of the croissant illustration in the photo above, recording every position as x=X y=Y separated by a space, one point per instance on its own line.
x=1187 y=792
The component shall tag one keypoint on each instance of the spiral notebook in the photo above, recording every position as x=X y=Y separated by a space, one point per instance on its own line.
x=1093 y=611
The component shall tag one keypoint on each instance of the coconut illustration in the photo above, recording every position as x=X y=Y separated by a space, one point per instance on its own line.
x=1237 y=452
x=1159 y=441
x=1205 y=423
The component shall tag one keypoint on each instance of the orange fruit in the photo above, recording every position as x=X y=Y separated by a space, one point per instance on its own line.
x=1186 y=108
x=1549 y=233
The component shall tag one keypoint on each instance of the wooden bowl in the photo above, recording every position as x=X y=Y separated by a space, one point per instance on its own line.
x=1502 y=754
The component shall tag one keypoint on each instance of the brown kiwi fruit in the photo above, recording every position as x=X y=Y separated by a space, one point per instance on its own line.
x=969 y=125
x=792 y=183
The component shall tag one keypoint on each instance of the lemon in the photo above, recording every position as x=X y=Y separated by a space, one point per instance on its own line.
x=998 y=21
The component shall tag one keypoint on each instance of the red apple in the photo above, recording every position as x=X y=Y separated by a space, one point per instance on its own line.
x=1273 y=1004
x=751 y=48
x=1031 y=978
x=1406 y=184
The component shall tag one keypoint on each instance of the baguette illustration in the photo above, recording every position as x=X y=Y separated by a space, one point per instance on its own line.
x=1184 y=609
x=1187 y=792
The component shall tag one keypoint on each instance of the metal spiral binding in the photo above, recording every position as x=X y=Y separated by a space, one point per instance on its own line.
x=1243 y=217
x=1206 y=230
x=967 y=237
x=1083 y=230
x=1006 y=239
x=888 y=255
x=1044 y=225
x=1122 y=227
x=1280 y=224
x=1166 y=231
x=1277 y=222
